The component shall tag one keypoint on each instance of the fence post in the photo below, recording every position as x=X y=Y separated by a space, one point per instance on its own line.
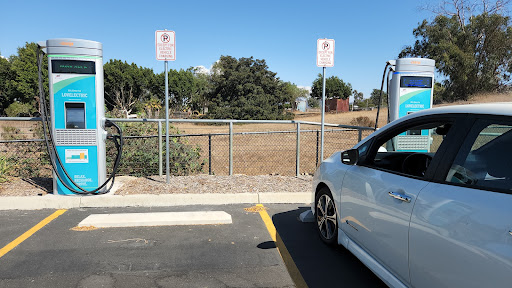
x=297 y=158
x=230 y=148
x=360 y=134
x=317 y=143
x=160 y=168
x=209 y=154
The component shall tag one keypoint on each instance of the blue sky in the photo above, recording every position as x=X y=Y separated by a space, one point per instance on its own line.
x=284 y=33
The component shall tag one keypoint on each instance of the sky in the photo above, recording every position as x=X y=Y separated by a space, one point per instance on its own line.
x=283 y=33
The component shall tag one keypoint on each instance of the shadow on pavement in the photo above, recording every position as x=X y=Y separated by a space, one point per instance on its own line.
x=319 y=264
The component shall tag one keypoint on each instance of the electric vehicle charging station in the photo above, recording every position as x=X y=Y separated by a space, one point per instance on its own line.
x=75 y=70
x=411 y=90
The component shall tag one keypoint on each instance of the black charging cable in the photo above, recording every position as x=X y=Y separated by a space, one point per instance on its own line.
x=380 y=96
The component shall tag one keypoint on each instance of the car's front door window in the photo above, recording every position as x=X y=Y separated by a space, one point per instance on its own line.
x=410 y=150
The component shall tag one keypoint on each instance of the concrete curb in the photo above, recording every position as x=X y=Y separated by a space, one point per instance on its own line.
x=148 y=200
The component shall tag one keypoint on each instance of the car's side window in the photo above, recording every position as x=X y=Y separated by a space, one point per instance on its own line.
x=411 y=149
x=485 y=158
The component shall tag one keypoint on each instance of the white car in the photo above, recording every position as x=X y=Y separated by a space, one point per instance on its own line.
x=426 y=201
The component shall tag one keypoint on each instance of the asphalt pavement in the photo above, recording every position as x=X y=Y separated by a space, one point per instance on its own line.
x=241 y=254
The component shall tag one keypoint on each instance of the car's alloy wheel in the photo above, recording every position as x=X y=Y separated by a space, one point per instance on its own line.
x=326 y=216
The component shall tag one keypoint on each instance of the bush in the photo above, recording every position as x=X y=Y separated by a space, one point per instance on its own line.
x=17 y=109
x=26 y=159
x=5 y=167
x=140 y=155
x=363 y=121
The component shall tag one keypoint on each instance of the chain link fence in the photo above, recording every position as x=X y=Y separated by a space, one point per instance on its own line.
x=255 y=147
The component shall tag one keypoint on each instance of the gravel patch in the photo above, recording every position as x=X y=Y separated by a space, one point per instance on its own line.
x=197 y=184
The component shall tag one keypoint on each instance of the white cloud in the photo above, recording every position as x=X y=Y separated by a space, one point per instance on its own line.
x=201 y=70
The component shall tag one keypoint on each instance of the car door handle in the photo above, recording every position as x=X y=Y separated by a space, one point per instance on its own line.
x=400 y=197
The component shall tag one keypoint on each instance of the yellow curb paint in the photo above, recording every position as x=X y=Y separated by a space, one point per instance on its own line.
x=30 y=232
x=285 y=255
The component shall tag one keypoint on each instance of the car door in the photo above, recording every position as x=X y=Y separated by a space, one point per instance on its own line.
x=379 y=193
x=461 y=226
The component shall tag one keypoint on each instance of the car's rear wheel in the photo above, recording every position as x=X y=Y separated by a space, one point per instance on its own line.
x=326 y=219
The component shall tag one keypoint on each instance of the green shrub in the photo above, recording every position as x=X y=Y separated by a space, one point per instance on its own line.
x=17 y=109
x=5 y=167
x=140 y=155
x=26 y=159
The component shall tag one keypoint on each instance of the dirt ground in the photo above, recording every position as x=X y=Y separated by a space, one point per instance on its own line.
x=198 y=184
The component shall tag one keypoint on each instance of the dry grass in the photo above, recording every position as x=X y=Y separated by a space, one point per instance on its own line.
x=275 y=153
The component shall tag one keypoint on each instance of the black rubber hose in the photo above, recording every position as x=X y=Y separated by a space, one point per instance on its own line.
x=387 y=90
x=380 y=96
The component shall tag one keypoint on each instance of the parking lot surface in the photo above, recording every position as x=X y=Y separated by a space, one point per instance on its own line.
x=241 y=254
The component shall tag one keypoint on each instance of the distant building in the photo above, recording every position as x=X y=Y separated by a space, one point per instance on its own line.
x=301 y=103
x=337 y=105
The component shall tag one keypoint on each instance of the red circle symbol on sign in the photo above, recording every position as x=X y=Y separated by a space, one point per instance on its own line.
x=165 y=38
x=325 y=45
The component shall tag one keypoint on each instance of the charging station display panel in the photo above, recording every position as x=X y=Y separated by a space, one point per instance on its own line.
x=73 y=67
x=75 y=112
x=415 y=94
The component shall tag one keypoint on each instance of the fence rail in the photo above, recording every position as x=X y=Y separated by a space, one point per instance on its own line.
x=288 y=151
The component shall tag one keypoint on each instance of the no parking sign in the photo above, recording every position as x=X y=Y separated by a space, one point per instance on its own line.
x=165 y=45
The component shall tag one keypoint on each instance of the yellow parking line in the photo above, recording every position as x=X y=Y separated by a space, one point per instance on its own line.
x=30 y=232
x=287 y=258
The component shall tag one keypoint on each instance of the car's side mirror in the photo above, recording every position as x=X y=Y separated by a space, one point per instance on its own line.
x=350 y=157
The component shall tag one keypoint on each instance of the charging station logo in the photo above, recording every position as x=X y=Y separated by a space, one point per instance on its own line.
x=77 y=155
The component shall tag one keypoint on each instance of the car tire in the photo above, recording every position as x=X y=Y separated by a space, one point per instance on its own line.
x=326 y=217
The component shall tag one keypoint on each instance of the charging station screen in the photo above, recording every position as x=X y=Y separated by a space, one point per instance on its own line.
x=73 y=67
x=75 y=116
x=415 y=81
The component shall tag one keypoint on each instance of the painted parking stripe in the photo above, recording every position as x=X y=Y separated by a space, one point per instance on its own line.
x=30 y=232
x=285 y=255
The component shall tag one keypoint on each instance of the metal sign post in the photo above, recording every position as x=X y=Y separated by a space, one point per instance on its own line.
x=324 y=58
x=166 y=50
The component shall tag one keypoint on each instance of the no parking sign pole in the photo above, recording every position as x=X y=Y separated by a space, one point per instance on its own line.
x=324 y=58
x=166 y=50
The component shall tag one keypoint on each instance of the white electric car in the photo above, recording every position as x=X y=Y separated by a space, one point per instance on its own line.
x=426 y=201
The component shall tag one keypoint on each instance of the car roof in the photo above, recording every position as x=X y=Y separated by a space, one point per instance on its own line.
x=504 y=108
x=499 y=109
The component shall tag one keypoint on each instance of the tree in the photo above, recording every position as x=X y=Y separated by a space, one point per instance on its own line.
x=474 y=53
x=182 y=86
x=375 y=95
x=127 y=85
x=245 y=89
x=203 y=87
x=6 y=76
x=292 y=93
x=358 y=98
x=23 y=87
x=313 y=102
x=334 y=88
